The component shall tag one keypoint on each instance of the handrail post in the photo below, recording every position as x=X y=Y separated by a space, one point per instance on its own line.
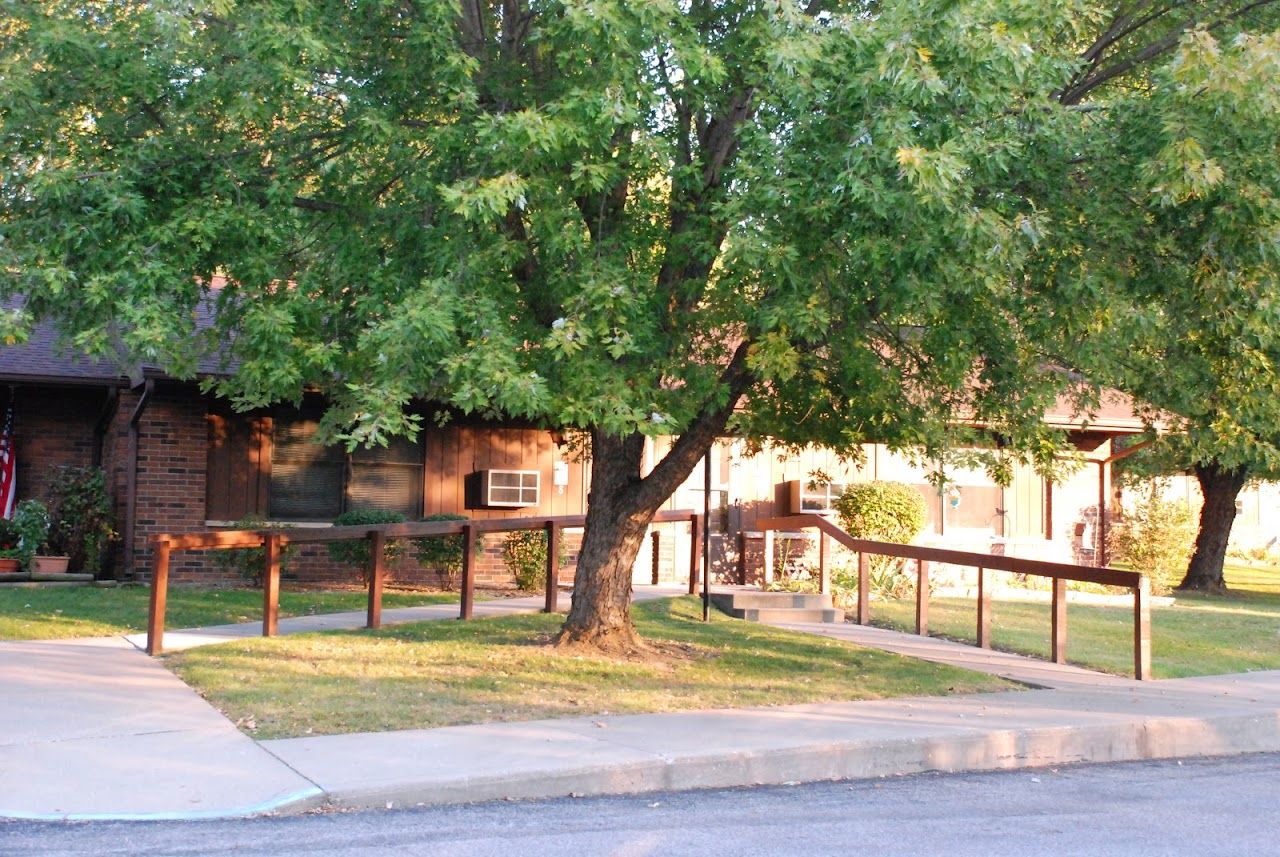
x=377 y=571
x=468 y=572
x=824 y=574
x=695 y=551
x=768 y=557
x=1142 y=630
x=984 y=610
x=159 y=597
x=1058 y=629
x=271 y=584
x=655 y=542
x=553 y=567
x=922 y=597
x=742 y=558
x=864 y=588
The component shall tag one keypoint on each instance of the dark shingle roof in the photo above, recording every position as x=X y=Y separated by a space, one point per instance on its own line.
x=42 y=358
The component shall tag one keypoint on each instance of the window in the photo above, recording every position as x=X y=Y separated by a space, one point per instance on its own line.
x=314 y=482
x=509 y=488
x=809 y=496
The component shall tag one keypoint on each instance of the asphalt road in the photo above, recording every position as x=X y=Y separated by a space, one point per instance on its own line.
x=1204 y=807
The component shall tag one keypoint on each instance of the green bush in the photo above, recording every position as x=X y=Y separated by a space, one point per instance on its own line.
x=356 y=553
x=251 y=563
x=82 y=519
x=1155 y=536
x=884 y=512
x=525 y=555
x=443 y=553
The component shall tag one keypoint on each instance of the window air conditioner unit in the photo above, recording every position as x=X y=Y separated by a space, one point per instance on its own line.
x=509 y=489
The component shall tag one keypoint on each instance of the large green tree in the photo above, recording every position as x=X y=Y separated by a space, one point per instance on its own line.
x=801 y=220
x=1174 y=194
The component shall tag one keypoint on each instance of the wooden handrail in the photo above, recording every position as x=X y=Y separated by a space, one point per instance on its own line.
x=1066 y=571
x=276 y=538
x=924 y=556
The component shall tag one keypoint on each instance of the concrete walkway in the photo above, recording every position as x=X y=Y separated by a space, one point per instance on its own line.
x=96 y=729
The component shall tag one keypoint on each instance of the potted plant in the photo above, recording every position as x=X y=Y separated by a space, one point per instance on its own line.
x=33 y=522
x=10 y=555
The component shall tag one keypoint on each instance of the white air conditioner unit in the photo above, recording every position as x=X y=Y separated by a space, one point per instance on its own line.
x=510 y=489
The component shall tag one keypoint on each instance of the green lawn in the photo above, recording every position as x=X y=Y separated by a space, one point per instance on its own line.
x=443 y=673
x=1197 y=635
x=83 y=611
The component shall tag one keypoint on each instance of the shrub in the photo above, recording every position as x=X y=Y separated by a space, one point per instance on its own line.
x=1155 y=536
x=888 y=584
x=794 y=583
x=356 y=553
x=251 y=563
x=883 y=511
x=82 y=520
x=31 y=521
x=525 y=555
x=9 y=538
x=443 y=553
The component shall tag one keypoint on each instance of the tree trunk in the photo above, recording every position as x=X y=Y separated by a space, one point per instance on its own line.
x=1219 y=486
x=600 y=616
x=619 y=509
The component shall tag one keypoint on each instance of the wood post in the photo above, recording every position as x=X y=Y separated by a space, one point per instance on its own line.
x=984 y=610
x=1142 y=630
x=1058 y=622
x=922 y=597
x=768 y=557
x=864 y=588
x=655 y=540
x=271 y=584
x=742 y=558
x=468 y=593
x=824 y=574
x=695 y=551
x=553 y=568
x=159 y=597
x=376 y=574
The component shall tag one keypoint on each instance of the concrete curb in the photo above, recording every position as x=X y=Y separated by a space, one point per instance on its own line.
x=554 y=759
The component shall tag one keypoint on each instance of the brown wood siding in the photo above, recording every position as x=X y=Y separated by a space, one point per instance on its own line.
x=238 y=465
x=456 y=451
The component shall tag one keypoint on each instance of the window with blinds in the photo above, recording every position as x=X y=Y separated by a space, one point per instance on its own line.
x=310 y=481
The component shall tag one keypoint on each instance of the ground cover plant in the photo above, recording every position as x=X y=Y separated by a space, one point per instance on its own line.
x=1196 y=635
x=63 y=612
x=443 y=673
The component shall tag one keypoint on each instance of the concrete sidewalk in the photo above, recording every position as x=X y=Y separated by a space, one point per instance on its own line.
x=99 y=730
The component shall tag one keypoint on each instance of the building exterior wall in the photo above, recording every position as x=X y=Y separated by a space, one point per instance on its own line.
x=176 y=477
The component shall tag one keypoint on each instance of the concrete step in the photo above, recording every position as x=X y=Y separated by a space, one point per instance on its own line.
x=790 y=614
x=777 y=606
x=747 y=600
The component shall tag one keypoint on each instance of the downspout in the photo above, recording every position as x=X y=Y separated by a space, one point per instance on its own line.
x=131 y=478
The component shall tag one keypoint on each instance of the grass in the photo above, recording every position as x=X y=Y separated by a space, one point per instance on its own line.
x=83 y=611
x=445 y=673
x=1196 y=635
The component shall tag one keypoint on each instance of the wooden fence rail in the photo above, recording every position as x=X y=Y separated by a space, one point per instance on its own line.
x=1058 y=573
x=273 y=542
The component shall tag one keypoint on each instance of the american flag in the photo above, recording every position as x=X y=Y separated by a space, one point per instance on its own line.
x=8 y=466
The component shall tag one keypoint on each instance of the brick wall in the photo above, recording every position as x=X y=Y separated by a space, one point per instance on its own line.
x=53 y=427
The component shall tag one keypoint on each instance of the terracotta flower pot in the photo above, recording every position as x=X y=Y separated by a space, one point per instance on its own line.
x=50 y=564
x=8 y=565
